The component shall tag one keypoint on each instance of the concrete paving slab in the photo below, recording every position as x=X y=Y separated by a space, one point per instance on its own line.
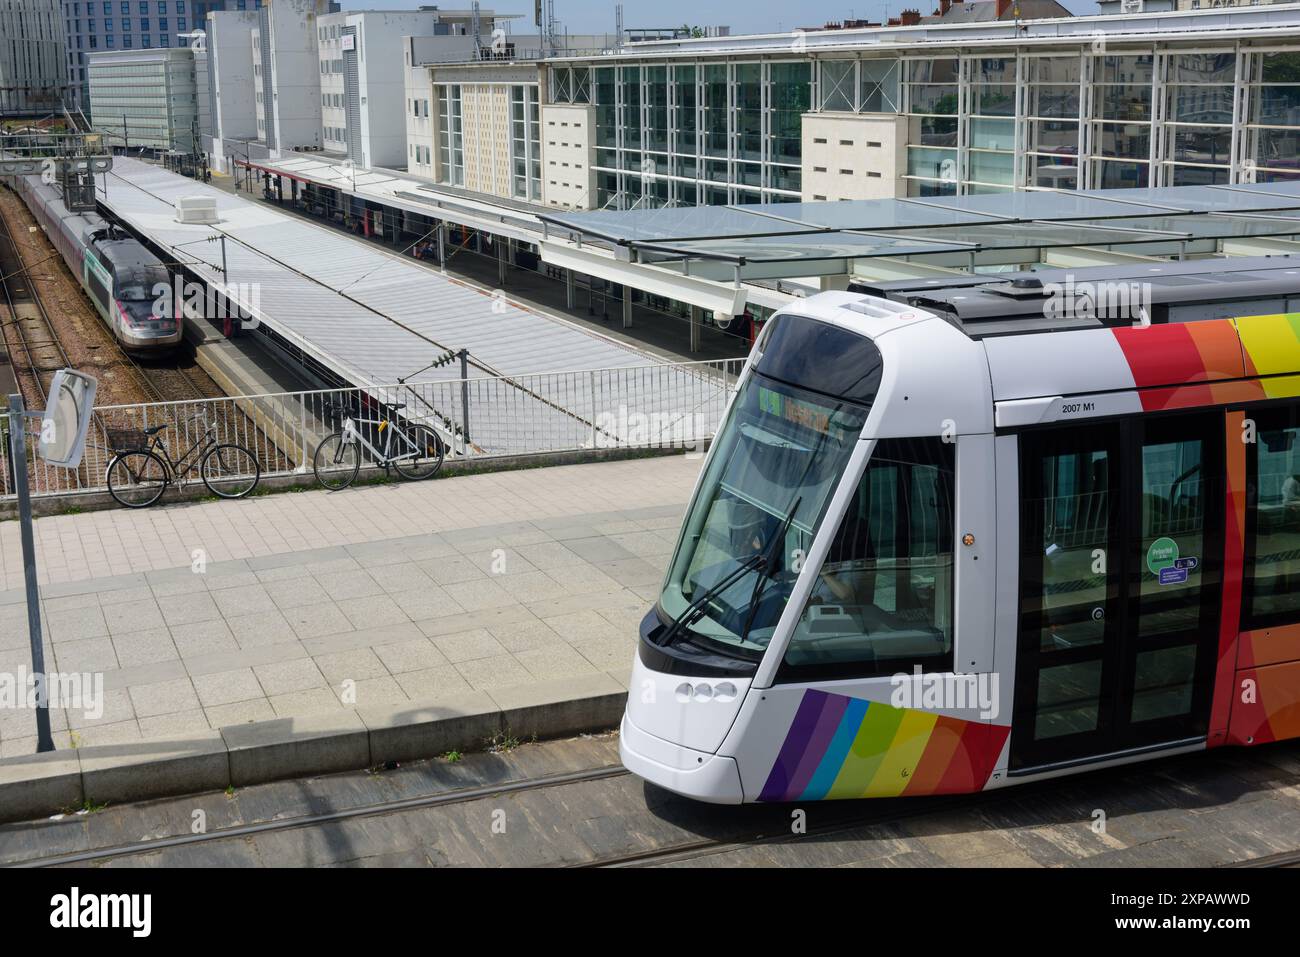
x=475 y=593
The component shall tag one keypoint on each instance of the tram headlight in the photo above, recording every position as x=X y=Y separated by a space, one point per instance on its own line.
x=703 y=691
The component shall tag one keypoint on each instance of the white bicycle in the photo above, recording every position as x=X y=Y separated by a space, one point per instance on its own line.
x=415 y=451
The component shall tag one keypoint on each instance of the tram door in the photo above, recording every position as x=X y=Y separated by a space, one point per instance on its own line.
x=1121 y=565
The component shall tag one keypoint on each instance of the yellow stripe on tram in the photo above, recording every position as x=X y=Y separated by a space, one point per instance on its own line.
x=1271 y=342
x=895 y=772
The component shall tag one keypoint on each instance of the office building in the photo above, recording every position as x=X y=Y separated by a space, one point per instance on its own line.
x=363 y=64
x=32 y=76
x=95 y=26
x=936 y=108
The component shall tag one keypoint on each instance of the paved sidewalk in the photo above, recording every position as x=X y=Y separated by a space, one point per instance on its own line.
x=317 y=601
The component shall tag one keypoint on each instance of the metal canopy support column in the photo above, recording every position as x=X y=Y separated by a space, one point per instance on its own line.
x=627 y=307
x=697 y=319
x=501 y=245
x=568 y=289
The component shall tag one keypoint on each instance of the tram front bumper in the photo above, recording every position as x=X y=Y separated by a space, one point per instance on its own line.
x=694 y=774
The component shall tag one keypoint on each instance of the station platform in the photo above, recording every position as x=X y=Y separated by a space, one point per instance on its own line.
x=663 y=335
x=285 y=606
x=370 y=318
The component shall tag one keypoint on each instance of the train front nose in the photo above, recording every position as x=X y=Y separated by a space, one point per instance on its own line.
x=673 y=728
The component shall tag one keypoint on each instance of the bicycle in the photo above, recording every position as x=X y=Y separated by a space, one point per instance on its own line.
x=419 y=450
x=142 y=466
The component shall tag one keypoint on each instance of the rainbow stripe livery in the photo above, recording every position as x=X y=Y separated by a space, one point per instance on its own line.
x=842 y=747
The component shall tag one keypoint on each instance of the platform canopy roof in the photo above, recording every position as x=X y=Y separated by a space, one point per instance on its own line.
x=776 y=240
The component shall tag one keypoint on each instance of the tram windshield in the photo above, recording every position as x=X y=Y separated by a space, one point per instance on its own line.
x=777 y=461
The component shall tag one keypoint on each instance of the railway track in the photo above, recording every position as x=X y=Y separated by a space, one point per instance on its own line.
x=36 y=338
x=443 y=799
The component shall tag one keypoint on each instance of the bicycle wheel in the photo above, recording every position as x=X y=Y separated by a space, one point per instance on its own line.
x=137 y=479
x=336 y=462
x=230 y=471
x=428 y=459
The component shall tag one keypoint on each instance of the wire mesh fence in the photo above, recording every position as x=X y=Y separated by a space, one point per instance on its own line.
x=670 y=405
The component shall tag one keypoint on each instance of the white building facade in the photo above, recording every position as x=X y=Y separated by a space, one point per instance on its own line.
x=232 y=85
x=286 y=71
x=364 y=59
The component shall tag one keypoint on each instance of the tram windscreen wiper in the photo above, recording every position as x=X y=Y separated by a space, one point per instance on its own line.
x=695 y=610
x=763 y=560
x=765 y=573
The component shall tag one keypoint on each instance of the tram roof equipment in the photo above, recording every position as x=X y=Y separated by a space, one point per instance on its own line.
x=1014 y=303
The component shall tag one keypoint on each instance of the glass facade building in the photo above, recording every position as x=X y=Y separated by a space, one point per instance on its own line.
x=146 y=97
x=997 y=113
x=694 y=133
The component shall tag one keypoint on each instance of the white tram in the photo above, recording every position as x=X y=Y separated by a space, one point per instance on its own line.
x=953 y=536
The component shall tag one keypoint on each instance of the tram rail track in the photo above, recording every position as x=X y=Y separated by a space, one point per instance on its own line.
x=614 y=825
x=440 y=799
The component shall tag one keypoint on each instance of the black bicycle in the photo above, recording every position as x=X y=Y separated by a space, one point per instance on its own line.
x=142 y=467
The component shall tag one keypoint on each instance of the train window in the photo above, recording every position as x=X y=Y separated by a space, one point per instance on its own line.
x=883 y=600
x=1272 y=572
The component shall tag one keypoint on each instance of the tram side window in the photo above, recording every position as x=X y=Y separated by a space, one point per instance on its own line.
x=883 y=601
x=1273 y=520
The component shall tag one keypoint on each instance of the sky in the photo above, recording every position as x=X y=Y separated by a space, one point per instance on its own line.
x=743 y=16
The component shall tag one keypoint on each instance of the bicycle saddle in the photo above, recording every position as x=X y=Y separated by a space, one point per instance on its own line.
x=156 y=429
